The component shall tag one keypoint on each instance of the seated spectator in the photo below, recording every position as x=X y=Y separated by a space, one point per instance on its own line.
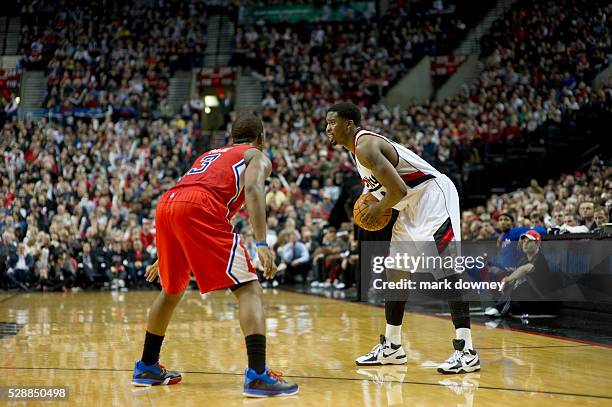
x=62 y=274
x=87 y=266
x=271 y=233
x=557 y=219
x=12 y=108
x=509 y=252
x=528 y=287
x=295 y=260
x=587 y=214
x=601 y=217
x=275 y=198
x=570 y=225
x=118 y=266
x=138 y=261
x=6 y=251
x=20 y=268
x=327 y=259
x=308 y=240
x=285 y=235
x=348 y=268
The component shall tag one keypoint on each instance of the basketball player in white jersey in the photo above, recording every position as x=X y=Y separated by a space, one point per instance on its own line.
x=429 y=212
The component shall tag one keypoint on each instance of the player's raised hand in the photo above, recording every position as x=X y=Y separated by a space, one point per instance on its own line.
x=267 y=261
x=152 y=272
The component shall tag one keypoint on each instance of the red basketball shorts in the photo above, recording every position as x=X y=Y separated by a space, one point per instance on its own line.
x=195 y=236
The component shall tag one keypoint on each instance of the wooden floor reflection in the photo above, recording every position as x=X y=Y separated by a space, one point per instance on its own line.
x=89 y=341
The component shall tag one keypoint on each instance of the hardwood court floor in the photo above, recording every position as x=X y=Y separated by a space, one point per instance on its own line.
x=89 y=341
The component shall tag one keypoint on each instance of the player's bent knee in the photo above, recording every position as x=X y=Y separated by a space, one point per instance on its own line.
x=172 y=296
x=250 y=288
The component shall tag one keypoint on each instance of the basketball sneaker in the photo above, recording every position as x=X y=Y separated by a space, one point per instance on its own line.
x=461 y=361
x=492 y=312
x=384 y=353
x=267 y=384
x=153 y=375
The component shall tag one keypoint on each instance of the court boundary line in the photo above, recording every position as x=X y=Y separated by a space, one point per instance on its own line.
x=581 y=345
x=411 y=382
x=482 y=324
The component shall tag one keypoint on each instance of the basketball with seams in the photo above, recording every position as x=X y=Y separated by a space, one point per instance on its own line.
x=361 y=208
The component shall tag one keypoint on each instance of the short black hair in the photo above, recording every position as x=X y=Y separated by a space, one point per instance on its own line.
x=246 y=128
x=347 y=110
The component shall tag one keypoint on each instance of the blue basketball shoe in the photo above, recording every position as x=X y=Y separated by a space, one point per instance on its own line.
x=153 y=375
x=267 y=384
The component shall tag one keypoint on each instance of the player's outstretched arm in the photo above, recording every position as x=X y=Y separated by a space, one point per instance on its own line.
x=372 y=154
x=258 y=169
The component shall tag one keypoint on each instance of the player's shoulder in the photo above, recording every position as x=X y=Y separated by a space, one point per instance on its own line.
x=256 y=154
x=368 y=136
x=368 y=145
x=366 y=140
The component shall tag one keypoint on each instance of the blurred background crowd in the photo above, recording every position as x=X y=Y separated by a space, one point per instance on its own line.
x=78 y=196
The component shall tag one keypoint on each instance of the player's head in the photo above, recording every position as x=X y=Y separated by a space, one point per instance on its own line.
x=343 y=119
x=248 y=129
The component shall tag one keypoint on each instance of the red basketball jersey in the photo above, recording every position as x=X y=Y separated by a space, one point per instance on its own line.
x=218 y=172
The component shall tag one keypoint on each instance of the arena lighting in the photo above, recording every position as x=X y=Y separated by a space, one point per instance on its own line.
x=211 y=101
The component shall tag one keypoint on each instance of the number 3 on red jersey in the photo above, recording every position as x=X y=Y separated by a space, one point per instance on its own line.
x=205 y=162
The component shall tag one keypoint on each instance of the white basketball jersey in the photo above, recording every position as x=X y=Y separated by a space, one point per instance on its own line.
x=412 y=169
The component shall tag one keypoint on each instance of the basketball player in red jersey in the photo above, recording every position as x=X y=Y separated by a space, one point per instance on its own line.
x=428 y=206
x=194 y=235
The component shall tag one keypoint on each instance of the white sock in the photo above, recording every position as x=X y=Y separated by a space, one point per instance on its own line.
x=466 y=335
x=393 y=333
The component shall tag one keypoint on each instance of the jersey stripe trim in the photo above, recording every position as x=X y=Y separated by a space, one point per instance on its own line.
x=416 y=178
x=444 y=235
x=235 y=167
x=247 y=258
x=230 y=263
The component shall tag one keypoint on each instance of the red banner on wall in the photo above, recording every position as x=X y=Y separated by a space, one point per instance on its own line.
x=10 y=79
x=216 y=77
x=446 y=65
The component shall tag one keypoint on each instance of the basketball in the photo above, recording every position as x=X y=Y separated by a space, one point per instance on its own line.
x=361 y=208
